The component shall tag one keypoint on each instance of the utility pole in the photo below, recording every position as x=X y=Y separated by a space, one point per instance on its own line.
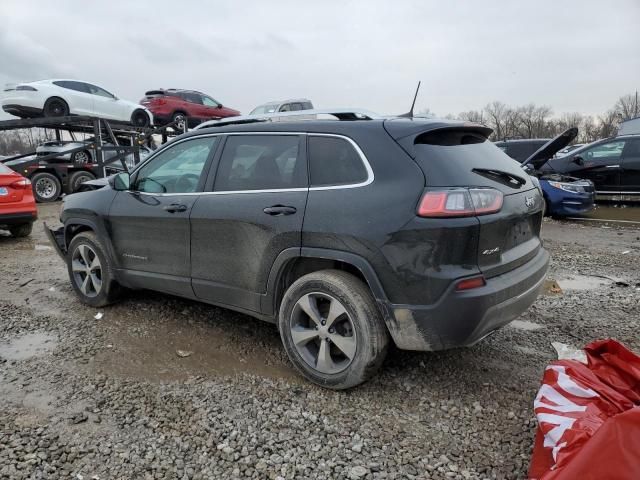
x=635 y=114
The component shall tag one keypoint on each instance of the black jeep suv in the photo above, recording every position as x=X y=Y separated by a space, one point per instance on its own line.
x=347 y=234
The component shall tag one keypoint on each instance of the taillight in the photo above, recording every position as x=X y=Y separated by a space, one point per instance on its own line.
x=21 y=184
x=158 y=101
x=470 y=283
x=460 y=202
x=27 y=88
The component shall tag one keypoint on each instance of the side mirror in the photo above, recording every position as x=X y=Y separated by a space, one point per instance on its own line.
x=120 y=182
x=578 y=160
x=219 y=105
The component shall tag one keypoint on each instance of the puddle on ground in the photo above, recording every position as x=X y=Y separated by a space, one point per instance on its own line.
x=583 y=282
x=204 y=350
x=28 y=346
x=525 y=325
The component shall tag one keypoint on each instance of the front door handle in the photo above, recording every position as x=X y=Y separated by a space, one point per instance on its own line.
x=175 y=207
x=277 y=210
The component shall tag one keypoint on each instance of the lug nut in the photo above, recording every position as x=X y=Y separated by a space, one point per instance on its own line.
x=323 y=322
x=331 y=330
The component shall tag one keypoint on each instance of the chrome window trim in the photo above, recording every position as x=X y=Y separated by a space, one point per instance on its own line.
x=363 y=158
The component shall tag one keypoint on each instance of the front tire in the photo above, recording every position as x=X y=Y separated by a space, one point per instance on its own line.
x=90 y=271
x=140 y=119
x=56 y=107
x=180 y=120
x=46 y=187
x=20 y=231
x=332 y=329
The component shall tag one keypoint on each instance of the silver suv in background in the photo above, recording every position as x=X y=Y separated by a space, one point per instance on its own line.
x=291 y=105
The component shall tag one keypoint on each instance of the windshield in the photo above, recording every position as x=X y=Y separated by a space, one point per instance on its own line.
x=269 y=108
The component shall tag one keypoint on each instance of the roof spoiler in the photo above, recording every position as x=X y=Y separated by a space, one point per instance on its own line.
x=155 y=92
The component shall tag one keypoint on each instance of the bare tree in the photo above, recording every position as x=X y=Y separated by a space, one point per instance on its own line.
x=627 y=107
x=476 y=116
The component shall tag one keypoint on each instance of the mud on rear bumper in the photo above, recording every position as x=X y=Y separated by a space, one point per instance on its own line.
x=464 y=318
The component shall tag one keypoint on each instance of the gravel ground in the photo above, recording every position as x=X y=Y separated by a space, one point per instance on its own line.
x=109 y=398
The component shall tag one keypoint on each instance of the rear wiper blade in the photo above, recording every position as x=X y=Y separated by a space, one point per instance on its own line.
x=501 y=174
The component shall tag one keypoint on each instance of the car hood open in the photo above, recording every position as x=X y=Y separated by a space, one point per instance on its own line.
x=549 y=149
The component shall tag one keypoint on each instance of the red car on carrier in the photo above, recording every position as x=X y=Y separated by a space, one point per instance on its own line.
x=176 y=105
x=17 y=205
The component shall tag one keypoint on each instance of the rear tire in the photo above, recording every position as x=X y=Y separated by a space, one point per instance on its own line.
x=344 y=340
x=20 y=231
x=46 y=187
x=76 y=179
x=140 y=119
x=91 y=272
x=56 y=107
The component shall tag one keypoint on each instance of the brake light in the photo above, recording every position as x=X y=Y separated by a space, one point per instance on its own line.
x=460 y=202
x=158 y=101
x=470 y=283
x=21 y=184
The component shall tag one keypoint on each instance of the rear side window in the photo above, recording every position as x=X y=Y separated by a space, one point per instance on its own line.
x=261 y=162
x=334 y=161
x=71 y=85
x=5 y=169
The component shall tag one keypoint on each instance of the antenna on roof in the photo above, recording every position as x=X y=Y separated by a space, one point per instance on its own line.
x=409 y=114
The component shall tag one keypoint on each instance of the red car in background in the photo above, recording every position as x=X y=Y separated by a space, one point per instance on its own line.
x=176 y=105
x=17 y=205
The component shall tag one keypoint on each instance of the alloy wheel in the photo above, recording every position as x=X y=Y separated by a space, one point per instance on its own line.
x=45 y=188
x=323 y=333
x=87 y=270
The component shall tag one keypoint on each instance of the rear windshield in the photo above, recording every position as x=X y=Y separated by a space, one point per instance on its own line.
x=454 y=158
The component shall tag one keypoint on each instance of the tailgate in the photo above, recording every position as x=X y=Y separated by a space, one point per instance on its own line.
x=462 y=157
x=511 y=237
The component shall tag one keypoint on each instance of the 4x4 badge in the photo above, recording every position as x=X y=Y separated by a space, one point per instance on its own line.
x=529 y=201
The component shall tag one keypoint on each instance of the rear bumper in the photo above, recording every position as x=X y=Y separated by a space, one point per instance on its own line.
x=22 y=110
x=463 y=318
x=19 y=218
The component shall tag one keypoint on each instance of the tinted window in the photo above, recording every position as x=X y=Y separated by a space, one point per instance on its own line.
x=177 y=169
x=71 y=85
x=296 y=106
x=192 y=97
x=260 y=162
x=334 y=161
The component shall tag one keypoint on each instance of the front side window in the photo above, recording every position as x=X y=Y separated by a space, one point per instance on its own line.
x=178 y=169
x=101 y=92
x=209 y=102
x=261 y=162
x=286 y=107
x=610 y=151
x=334 y=161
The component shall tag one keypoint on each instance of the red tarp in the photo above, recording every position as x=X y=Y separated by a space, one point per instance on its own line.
x=589 y=417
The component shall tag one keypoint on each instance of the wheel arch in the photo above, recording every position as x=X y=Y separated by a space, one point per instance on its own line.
x=57 y=97
x=293 y=263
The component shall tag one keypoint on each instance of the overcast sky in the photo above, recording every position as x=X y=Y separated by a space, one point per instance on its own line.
x=573 y=55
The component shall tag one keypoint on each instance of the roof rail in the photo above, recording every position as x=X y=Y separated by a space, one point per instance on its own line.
x=338 y=113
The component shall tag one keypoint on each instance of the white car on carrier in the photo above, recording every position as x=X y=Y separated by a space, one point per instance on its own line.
x=59 y=98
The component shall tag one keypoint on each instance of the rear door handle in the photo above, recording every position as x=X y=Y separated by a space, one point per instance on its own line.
x=277 y=210
x=175 y=207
